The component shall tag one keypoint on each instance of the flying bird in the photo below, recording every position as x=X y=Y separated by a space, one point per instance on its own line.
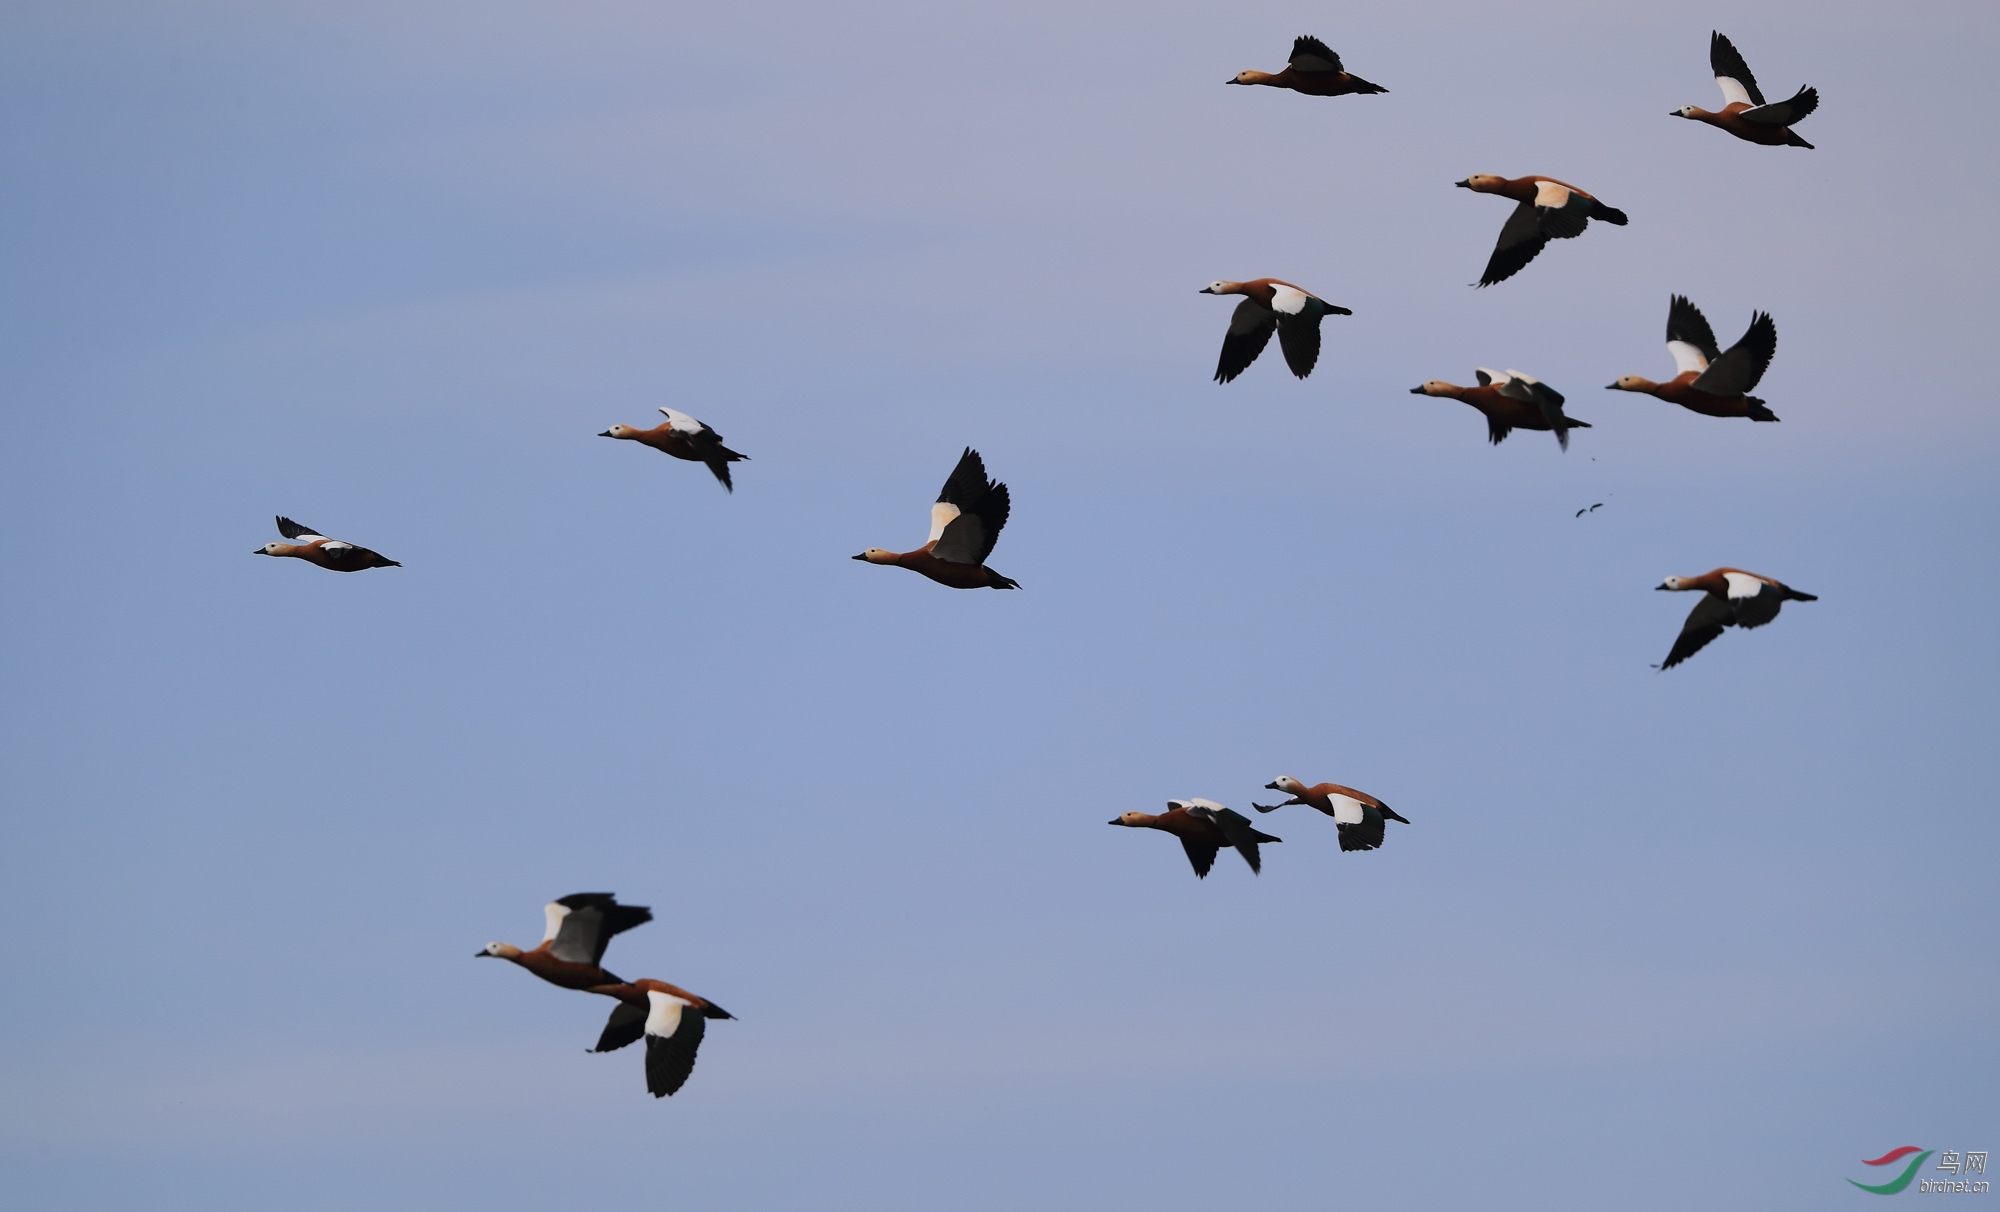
x=1510 y=400
x=1313 y=70
x=1546 y=210
x=1592 y=509
x=965 y=523
x=1710 y=382
x=571 y=955
x=1730 y=598
x=331 y=554
x=1744 y=112
x=1359 y=818
x=577 y=929
x=1270 y=305
x=1204 y=828
x=683 y=437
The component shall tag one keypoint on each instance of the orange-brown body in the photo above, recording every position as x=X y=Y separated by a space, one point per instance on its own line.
x=1752 y=132
x=1501 y=410
x=562 y=973
x=1680 y=390
x=339 y=559
x=633 y=993
x=663 y=438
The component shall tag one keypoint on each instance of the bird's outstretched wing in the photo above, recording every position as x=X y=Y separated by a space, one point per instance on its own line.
x=627 y=1024
x=1689 y=338
x=1309 y=54
x=1740 y=369
x=1201 y=855
x=1250 y=329
x=1754 y=599
x=1732 y=73
x=1364 y=834
x=1786 y=112
x=1704 y=623
x=671 y=1041
x=1521 y=241
x=583 y=924
x=292 y=530
x=979 y=509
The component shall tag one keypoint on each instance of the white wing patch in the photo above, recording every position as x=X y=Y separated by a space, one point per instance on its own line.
x=1552 y=195
x=942 y=514
x=555 y=914
x=681 y=422
x=1687 y=357
x=1517 y=386
x=666 y=1016
x=1743 y=585
x=1733 y=93
x=1288 y=299
x=1488 y=377
x=335 y=545
x=1346 y=809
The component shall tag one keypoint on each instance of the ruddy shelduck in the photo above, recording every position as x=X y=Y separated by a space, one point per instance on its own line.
x=577 y=929
x=965 y=523
x=657 y=1011
x=1314 y=70
x=1510 y=400
x=328 y=553
x=1710 y=382
x=1744 y=112
x=1271 y=305
x=683 y=437
x=1204 y=828
x=1546 y=209
x=1731 y=597
x=1360 y=818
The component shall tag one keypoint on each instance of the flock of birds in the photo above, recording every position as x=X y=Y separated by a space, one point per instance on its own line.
x=972 y=509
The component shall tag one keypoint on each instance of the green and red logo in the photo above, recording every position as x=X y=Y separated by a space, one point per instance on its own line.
x=1890 y=1158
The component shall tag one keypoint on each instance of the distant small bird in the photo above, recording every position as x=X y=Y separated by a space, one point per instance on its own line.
x=683 y=437
x=654 y=1009
x=1204 y=828
x=331 y=554
x=578 y=929
x=1270 y=305
x=1592 y=509
x=1510 y=400
x=1710 y=382
x=1358 y=816
x=1745 y=113
x=1313 y=70
x=1730 y=598
x=965 y=523
x=1547 y=210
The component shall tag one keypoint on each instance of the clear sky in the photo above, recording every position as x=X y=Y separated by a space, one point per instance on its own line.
x=1654 y=941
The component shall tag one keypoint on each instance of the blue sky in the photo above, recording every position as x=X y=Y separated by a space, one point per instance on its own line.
x=1652 y=939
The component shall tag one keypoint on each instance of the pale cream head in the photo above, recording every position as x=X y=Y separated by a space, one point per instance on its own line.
x=501 y=950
